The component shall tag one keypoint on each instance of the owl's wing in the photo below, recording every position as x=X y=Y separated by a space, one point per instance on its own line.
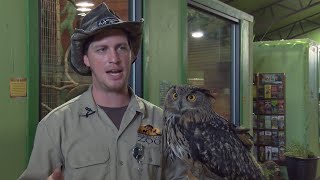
x=220 y=150
x=244 y=135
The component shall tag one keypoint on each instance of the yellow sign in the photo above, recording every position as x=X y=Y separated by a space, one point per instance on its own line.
x=18 y=87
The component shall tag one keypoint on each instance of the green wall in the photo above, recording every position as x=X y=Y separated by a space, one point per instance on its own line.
x=246 y=73
x=163 y=57
x=13 y=111
x=298 y=60
x=19 y=52
x=313 y=35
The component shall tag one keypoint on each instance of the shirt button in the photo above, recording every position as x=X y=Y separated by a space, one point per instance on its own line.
x=121 y=163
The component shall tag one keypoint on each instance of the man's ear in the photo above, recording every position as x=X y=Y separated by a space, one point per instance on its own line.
x=86 y=60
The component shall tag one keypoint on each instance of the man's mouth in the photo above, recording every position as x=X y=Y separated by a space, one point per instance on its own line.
x=114 y=72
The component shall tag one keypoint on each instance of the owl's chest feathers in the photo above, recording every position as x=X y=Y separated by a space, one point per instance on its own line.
x=190 y=128
x=211 y=127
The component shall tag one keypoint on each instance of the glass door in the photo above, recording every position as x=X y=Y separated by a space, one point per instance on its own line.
x=213 y=57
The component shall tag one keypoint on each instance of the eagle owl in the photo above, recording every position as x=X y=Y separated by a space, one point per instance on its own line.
x=206 y=142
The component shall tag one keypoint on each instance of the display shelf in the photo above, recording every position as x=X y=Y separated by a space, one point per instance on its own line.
x=269 y=123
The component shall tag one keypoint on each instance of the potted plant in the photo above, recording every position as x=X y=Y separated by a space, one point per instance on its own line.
x=301 y=161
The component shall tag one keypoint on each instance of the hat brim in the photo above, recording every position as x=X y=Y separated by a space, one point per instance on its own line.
x=133 y=29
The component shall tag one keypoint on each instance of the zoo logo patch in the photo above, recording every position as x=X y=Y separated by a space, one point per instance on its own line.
x=150 y=135
x=149 y=130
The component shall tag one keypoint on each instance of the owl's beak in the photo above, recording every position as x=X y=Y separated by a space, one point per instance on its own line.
x=180 y=106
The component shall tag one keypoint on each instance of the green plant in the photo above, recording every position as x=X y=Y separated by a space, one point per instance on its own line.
x=271 y=170
x=300 y=150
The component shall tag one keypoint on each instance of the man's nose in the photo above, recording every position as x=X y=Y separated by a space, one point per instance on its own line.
x=113 y=57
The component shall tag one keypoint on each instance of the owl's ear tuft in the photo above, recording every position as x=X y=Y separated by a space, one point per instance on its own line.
x=171 y=87
x=206 y=92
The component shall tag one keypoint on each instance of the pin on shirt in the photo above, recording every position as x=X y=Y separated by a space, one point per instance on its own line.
x=89 y=111
x=138 y=154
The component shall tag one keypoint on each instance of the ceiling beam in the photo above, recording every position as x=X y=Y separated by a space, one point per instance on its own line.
x=228 y=1
x=292 y=30
x=266 y=27
x=265 y=7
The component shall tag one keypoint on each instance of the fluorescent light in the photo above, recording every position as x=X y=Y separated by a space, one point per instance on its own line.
x=84 y=4
x=83 y=9
x=197 y=34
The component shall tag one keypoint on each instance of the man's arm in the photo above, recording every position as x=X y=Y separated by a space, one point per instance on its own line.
x=45 y=156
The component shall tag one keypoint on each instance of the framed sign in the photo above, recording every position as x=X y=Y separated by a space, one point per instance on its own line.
x=18 y=87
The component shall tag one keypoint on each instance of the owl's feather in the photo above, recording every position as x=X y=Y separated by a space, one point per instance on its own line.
x=205 y=141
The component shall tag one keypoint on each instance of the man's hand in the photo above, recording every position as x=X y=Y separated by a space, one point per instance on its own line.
x=56 y=175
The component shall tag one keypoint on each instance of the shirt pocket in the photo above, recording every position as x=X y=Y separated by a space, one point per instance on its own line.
x=89 y=164
x=152 y=156
x=151 y=163
x=84 y=159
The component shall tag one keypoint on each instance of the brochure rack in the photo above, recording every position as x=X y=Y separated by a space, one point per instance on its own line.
x=269 y=116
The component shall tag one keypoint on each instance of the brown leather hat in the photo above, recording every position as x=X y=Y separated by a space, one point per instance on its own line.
x=100 y=19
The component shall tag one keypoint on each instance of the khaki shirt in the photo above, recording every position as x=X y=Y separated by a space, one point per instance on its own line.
x=82 y=139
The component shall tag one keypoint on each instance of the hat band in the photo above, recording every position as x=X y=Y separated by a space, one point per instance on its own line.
x=108 y=20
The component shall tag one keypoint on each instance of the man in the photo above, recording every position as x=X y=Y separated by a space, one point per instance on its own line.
x=107 y=132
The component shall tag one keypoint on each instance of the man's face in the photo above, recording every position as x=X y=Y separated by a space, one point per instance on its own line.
x=109 y=57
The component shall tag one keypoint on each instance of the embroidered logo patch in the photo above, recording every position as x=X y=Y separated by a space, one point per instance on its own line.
x=149 y=130
x=109 y=20
x=150 y=135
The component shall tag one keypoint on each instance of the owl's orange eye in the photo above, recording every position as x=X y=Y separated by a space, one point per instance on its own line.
x=174 y=96
x=191 y=98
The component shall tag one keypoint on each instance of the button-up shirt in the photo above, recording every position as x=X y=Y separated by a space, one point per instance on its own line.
x=79 y=137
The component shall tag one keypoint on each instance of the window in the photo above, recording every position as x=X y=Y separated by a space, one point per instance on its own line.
x=213 y=58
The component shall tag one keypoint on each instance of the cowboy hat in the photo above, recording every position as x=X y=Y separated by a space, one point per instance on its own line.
x=99 y=19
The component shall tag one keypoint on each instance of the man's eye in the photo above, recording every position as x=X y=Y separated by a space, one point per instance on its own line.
x=123 y=48
x=101 y=49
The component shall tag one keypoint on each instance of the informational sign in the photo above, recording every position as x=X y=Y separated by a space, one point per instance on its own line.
x=18 y=87
x=164 y=87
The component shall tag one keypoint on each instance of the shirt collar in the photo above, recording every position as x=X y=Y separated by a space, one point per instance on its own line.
x=88 y=106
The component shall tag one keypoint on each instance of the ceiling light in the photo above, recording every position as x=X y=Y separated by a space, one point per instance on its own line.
x=84 y=4
x=197 y=34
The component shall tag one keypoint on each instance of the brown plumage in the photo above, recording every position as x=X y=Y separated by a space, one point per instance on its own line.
x=205 y=141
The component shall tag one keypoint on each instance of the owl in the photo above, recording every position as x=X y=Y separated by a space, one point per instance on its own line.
x=206 y=142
